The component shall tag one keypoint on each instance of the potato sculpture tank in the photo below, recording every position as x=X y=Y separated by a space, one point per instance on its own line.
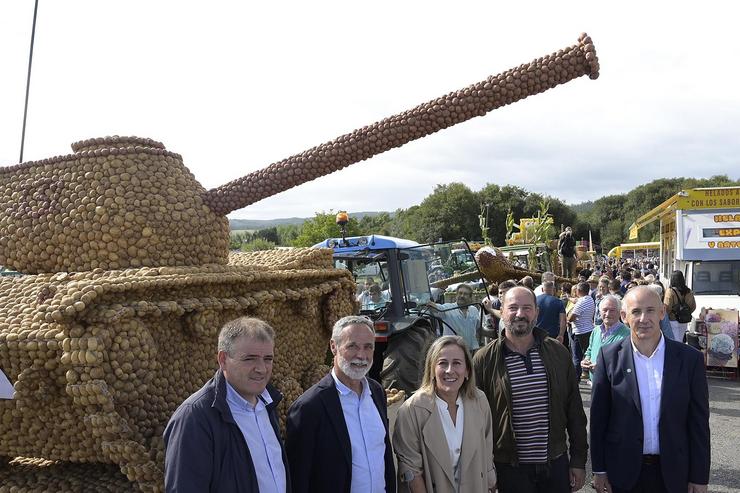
x=128 y=279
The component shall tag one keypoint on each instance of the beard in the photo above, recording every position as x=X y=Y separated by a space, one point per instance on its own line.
x=518 y=326
x=352 y=371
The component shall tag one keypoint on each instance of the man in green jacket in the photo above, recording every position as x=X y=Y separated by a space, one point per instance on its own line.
x=611 y=330
x=531 y=386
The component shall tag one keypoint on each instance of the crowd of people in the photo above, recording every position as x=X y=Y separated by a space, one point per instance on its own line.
x=506 y=416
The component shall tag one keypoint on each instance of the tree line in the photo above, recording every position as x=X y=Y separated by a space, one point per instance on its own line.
x=452 y=211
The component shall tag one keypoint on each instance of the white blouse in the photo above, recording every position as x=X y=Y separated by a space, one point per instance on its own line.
x=453 y=431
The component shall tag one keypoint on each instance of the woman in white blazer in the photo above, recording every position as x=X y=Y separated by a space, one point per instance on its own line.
x=442 y=436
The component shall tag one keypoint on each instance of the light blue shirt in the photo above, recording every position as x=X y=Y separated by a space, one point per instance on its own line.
x=367 y=437
x=465 y=326
x=263 y=444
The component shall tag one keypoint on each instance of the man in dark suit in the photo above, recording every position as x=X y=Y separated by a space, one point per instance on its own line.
x=337 y=431
x=649 y=408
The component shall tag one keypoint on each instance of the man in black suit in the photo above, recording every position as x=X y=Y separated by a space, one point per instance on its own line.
x=337 y=431
x=649 y=408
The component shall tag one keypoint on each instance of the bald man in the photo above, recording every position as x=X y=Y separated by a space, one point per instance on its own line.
x=650 y=408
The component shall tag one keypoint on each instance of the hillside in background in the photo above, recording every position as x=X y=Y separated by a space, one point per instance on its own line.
x=256 y=224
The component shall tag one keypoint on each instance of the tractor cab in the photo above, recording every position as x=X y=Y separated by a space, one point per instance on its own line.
x=394 y=280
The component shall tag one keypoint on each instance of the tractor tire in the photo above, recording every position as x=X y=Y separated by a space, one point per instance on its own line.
x=403 y=365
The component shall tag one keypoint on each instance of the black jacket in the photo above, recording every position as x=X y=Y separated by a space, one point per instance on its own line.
x=616 y=417
x=317 y=441
x=204 y=447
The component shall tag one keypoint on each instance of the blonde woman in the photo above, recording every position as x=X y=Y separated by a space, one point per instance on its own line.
x=443 y=438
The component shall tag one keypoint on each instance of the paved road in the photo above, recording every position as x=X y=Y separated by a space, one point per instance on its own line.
x=724 y=423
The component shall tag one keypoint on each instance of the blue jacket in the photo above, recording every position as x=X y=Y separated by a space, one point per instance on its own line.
x=204 y=447
x=616 y=417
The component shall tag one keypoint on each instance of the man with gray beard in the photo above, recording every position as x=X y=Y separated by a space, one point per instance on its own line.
x=532 y=389
x=337 y=431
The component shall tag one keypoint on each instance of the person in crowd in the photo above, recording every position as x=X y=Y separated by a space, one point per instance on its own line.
x=602 y=290
x=665 y=323
x=582 y=318
x=443 y=435
x=678 y=293
x=493 y=306
x=336 y=433
x=491 y=322
x=610 y=330
x=567 y=253
x=527 y=282
x=225 y=437
x=551 y=312
x=615 y=288
x=462 y=317
x=546 y=276
x=372 y=298
x=593 y=285
x=649 y=423
x=626 y=279
x=539 y=426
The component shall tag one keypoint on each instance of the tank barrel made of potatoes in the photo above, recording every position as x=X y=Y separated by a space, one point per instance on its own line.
x=117 y=202
x=115 y=321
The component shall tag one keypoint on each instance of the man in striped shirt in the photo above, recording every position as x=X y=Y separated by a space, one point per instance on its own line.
x=539 y=425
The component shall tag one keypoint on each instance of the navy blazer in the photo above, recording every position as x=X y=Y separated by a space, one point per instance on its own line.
x=616 y=417
x=317 y=442
x=205 y=450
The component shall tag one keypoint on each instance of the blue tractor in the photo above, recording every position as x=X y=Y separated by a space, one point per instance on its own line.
x=394 y=278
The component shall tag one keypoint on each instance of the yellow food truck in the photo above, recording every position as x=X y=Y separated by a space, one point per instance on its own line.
x=700 y=236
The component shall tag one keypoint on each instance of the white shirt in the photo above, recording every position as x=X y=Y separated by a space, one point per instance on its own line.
x=263 y=444
x=367 y=437
x=649 y=381
x=453 y=431
x=465 y=325
x=584 y=311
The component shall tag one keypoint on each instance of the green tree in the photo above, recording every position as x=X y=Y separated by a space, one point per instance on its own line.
x=378 y=225
x=287 y=233
x=268 y=234
x=501 y=200
x=257 y=244
x=322 y=226
x=450 y=212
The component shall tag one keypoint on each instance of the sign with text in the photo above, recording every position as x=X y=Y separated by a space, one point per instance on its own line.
x=714 y=198
x=710 y=231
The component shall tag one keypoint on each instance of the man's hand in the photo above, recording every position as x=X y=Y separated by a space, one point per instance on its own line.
x=487 y=304
x=577 y=478
x=586 y=364
x=560 y=338
x=601 y=483
x=697 y=488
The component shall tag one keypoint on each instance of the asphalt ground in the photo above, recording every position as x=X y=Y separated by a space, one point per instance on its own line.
x=724 y=425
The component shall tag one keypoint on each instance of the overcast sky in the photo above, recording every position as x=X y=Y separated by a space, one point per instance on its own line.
x=235 y=86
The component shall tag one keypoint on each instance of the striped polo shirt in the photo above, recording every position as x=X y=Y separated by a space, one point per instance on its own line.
x=530 y=404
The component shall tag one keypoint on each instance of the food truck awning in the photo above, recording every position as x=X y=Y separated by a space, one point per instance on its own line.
x=691 y=199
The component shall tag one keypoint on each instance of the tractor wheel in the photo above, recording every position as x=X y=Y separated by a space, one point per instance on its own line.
x=403 y=366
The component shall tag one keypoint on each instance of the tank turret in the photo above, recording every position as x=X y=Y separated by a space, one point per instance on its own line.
x=120 y=202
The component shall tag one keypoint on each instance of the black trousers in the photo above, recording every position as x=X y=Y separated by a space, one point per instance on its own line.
x=534 y=478
x=650 y=481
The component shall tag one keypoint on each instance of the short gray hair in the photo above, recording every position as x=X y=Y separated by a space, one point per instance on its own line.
x=344 y=322
x=244 y=327
x=548 y=276
x=611 y=297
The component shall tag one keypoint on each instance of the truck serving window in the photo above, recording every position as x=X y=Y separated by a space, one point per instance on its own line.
x=717 y=277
